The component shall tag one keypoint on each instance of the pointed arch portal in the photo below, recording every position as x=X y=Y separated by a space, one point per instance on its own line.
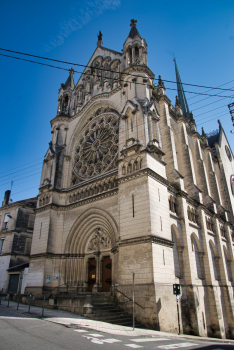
x=88 y=250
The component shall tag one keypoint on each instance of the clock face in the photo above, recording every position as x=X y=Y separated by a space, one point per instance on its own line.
x=97 y=148
x=228 y=153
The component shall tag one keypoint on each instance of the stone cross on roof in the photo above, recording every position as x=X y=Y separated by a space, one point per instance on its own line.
x=133 y=23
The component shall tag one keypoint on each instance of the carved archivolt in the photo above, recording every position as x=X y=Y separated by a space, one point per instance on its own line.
x=91 y=223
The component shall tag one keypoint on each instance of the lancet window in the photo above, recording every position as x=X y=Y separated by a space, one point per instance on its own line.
x=209 y=224
x=192 y=215
x=222 y=231
x=172 y=204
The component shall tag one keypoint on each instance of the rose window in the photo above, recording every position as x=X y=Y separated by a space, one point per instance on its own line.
x=97 y=147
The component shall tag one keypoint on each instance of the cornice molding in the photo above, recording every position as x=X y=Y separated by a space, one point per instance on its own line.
x=145 y=172
x=137 y=68
x=146 y=239
x=59 y=118
x=56 y=256
x=79 y=203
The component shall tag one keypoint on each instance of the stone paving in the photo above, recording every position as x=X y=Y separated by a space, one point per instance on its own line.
x=70 y=319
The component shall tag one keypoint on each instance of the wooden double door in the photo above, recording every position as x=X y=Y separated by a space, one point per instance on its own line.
x=104 y=278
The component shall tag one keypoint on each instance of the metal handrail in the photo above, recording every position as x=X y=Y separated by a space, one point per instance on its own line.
x=128 y=298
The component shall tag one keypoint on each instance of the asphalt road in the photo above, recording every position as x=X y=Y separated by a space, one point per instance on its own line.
x=19 y=331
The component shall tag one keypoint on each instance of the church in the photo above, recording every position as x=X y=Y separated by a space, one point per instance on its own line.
x=128 y=185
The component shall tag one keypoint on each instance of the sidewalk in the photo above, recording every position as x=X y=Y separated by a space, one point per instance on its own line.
x=71 y=320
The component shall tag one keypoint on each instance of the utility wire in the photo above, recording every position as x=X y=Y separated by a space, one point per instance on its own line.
x=49 y=65
x=166 y=127
x=86 y=66
x=11 y=175
x=190 y=104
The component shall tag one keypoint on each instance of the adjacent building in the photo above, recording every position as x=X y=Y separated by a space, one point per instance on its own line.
x=16 y=229
x=130 y=186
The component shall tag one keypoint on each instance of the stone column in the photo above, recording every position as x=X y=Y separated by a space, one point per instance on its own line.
x=97 y=285
x=151 y=129
x=127 y=58
x=133 y=55
x=141 y=55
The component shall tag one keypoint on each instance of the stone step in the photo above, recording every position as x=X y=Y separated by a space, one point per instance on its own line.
x=110 y=316
x=104 y=313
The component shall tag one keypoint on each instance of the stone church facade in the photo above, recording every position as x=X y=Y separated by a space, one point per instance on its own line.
x=129 y=185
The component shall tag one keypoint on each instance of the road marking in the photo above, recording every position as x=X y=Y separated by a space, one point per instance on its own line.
x=79 y=330
x=96 y=341
x=111 y=341
x=142 y=340
x=176 y=346
x=133 y=346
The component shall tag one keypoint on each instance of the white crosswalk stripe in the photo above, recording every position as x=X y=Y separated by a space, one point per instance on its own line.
x=111 y=341
x=142 y=340
x=80 y=330
x=175 y=346
x=95 y=335
x=134 y=346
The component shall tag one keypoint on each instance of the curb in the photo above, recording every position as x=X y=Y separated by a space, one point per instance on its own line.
x=90 y=328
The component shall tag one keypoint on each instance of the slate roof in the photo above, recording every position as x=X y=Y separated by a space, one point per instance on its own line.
x=69 y=81
x=133 y=32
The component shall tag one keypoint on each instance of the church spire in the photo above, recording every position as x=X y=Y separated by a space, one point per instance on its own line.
x=134 y=47
x=180 y=90
x=70 y=80
x=133 y=31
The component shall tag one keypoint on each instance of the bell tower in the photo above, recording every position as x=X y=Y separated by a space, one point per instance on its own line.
x=134 y=48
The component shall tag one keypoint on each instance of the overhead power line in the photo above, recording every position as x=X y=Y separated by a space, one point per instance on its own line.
x=49 y=65
x=67 y=175
x=86 y=66
x=12 y=175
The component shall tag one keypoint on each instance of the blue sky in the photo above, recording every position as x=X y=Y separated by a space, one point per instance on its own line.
x=199 y=33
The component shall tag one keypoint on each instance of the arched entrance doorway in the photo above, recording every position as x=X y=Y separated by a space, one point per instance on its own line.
x=89 y=262
x=106 y=274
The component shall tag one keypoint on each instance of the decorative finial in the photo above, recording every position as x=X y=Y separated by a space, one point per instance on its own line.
x=191 y=117
x=133 y=23
x=178 y=102
x=71 y=71
x=100 y=36
x=203 y=132
x=219 y=122
x=160 y=82
x=174 y=59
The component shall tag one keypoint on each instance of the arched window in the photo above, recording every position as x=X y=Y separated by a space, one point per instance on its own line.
x=209 y=224
x=215 y=270
x=176 y=256
x=65 y=103
x=222 y=231
x=129 y=168
x=197 y=262
x=189 y=213
x=137 y=56
x=130 y=55
x=227 y=262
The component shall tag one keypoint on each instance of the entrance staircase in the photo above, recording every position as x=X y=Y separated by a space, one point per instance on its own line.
x=106 y=309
